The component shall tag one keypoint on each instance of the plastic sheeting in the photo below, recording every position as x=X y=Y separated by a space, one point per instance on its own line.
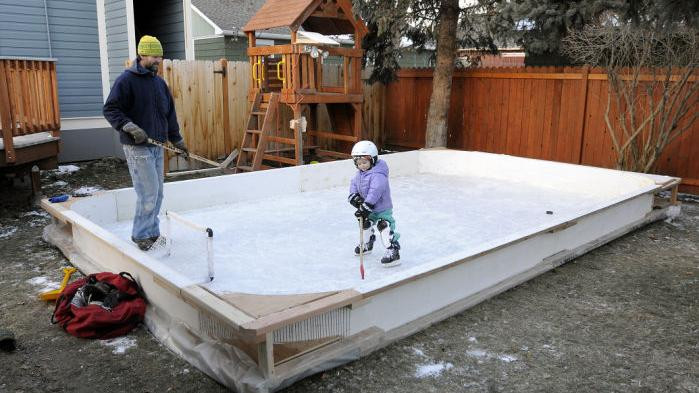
x=221 y=361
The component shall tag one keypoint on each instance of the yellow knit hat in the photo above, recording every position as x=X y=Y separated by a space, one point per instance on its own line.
x=149 y=46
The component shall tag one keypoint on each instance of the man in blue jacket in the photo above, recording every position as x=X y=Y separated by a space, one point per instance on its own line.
x=140 y=107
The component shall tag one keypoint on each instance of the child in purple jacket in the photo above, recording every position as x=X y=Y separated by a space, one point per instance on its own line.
x=370 y=193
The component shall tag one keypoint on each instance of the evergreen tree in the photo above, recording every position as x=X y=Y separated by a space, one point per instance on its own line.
x=540 y=25
x=448 y=24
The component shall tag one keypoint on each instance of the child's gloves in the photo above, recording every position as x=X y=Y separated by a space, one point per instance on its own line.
x=364 y=210
x=355 y=200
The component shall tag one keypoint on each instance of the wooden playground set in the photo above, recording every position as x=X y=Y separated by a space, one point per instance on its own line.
x=289 y=78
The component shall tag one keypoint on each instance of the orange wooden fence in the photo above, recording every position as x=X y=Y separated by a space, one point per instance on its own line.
x=552 y=113
x=28 y=101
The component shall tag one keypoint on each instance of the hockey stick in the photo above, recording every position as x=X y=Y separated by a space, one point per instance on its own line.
x=361 y=246
x=192 y=155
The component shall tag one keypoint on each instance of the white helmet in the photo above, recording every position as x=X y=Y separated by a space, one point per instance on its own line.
x=366 y=148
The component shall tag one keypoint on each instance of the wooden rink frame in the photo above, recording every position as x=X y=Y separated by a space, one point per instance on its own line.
x=261 y=343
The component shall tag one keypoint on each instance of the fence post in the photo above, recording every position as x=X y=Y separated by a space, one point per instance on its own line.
x=585 y=81
x=227 y=143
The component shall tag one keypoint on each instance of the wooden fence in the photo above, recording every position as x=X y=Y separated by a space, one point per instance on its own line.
x=28 y=102
x=551 y=113
x=212 y=108
x=211 y=103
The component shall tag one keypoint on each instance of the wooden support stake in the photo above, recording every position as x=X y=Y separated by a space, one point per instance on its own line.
x=265 y=356
x=36 y=181
x=673 y=197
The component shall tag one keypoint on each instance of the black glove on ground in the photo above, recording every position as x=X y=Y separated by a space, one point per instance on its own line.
x=135 y=132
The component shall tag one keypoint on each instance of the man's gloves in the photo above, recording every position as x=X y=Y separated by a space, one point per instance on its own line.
x=135 y=132
x=180 y=145
x=355 y=200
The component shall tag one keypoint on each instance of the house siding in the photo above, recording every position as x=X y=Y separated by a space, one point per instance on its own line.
x=221 y=48
x=209 y=48
x=74 y=43
x=230 y=48
x=200 y=27
x=117 y=37
x=415 y=59
x=23 y=29
x=168 y=27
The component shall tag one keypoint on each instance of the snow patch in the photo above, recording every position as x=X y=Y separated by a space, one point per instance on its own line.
x=688 y=197
x=477 y=353
x=432 y=369
x=87 y=190
x=36 y=213
x=507 y=358
x=482 y=354
x=419 y=352
x=7 y=232
x=472 y=340
x=120 y=344
x=59 y=183
x=672 y=213
x=63 y=169
x=44 y=283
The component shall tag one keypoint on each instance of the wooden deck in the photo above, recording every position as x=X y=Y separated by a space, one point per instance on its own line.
x=29 y=114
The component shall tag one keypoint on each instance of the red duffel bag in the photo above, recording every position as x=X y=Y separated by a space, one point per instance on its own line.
x=102 y=305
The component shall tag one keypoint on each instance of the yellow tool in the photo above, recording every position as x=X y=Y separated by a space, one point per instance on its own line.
x=53 y=295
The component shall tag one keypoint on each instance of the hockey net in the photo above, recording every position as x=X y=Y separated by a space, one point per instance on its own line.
x=191 y=242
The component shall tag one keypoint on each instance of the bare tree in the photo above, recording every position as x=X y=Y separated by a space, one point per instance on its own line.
x=652 y=85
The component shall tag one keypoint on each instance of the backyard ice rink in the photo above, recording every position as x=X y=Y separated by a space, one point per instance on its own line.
x=304 y=242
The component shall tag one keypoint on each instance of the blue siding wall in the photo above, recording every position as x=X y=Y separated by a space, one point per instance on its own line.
x=169 y=29
x=23 y=29
x=74 y=43
x=117 y=37
x=163 y=19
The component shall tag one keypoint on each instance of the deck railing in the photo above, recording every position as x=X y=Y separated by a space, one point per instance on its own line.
x=28 y=100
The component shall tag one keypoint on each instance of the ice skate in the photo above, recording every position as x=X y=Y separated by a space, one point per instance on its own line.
x=369 y=244
x=392 y=256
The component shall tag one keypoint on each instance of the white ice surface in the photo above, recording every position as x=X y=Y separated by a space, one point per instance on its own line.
x=303 y=243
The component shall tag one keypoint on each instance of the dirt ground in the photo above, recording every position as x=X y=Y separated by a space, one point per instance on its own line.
x=622 y=318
